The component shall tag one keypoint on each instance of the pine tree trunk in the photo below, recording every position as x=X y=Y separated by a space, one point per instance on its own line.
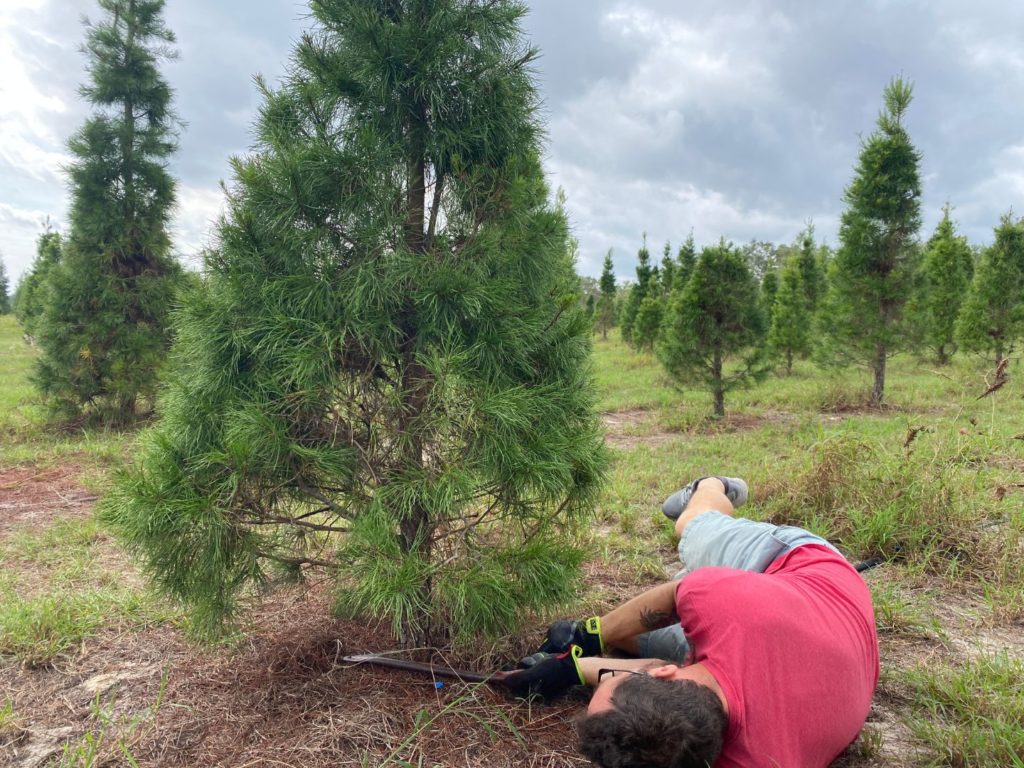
x=878 y=391
x=789 y=362
x=718 y=386
x=417 y=527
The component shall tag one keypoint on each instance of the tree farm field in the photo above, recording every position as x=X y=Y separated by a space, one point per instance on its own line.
x=97 y=670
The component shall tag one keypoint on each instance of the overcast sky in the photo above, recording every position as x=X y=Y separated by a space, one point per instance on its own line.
x=738 y=119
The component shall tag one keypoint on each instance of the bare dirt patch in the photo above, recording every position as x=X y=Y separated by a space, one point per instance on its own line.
x=626 y=430
x=30 y=496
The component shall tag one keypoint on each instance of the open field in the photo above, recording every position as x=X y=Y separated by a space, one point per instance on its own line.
x=94 y=670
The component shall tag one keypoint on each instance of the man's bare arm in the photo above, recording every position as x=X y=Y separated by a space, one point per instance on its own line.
x=653 y=609
x=590 y=665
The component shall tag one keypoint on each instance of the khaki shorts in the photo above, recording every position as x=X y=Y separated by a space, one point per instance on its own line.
x=715 y=539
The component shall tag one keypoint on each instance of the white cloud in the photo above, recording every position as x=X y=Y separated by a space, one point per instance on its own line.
x=198 y=208
x=999 y=192
x=606 y=216
x=19 y=228
x=27 y=141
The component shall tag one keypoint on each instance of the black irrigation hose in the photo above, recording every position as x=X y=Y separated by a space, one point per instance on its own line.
x=865 y=565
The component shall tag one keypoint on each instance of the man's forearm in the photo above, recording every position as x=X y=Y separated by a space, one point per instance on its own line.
x=591 y=665
x=653 y=609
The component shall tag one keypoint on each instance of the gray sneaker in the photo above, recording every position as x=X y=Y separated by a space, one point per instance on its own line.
x=735 y=490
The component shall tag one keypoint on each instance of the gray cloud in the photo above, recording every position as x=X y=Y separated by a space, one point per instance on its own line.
x=740 y=120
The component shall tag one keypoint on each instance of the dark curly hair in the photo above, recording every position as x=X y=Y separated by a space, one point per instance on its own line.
x=656 y=724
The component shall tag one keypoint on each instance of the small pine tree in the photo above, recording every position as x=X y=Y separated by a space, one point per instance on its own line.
x=668 y=270
x=944 y=280
x=992 y=316
x=104 y=327
x=644 y=276
x=648 y=322
x=5 y=299
x=29 y=298
x=715 y=317
x=385 y=374
x=811 y=273
x=871 y=275
x=769 y=289
x=789 y=333
x=687 y=260
x=606 y=304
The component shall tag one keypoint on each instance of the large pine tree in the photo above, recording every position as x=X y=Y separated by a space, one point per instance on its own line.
x=104 y=326
x=385 y=375
x=992 y=316
x=871 y=275
x=713 y=328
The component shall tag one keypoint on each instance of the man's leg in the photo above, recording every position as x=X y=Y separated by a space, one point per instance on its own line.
x=709 y=496
x=669 y=643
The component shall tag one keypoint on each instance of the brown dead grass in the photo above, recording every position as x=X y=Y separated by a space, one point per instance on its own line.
x=30 y=496
x=283 y=697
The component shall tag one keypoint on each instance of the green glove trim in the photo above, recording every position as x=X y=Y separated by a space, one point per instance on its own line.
x=577 y=653
x=592 y=626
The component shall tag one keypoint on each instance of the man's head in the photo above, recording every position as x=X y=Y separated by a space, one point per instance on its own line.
x=662 y=719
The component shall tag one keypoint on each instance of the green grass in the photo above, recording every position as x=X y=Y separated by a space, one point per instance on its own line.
x=55 y=592
x=970 y=715
x=943 y=509
x=27 y=435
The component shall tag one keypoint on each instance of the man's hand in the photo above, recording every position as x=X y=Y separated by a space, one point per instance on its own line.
x=547 y=675
x=586 y=633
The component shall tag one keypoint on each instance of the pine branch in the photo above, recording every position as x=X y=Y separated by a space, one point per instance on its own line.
x=298 y=522
x=300 y=561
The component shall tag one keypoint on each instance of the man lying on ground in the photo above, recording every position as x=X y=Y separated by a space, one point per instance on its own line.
x=764 y=653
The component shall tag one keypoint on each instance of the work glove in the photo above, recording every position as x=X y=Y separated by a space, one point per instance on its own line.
x=586 y=633
x=547 y=675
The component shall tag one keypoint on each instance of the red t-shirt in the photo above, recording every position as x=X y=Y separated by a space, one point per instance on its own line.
x=795 y=651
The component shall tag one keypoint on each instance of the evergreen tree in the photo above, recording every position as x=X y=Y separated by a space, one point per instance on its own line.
x=811 y=273
x=385 y=375
x=687 y=260
x=945 y=277
x=715 y=317
x=644 y=276
x=104 y=327
x=769 y=289
x=648 y=322
x=5 y=299
x=622 y=296
x=992 y=316
x=29 y=298
x=870 y=277
x=606 y=304
x=789 y=332
x=668 y=270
